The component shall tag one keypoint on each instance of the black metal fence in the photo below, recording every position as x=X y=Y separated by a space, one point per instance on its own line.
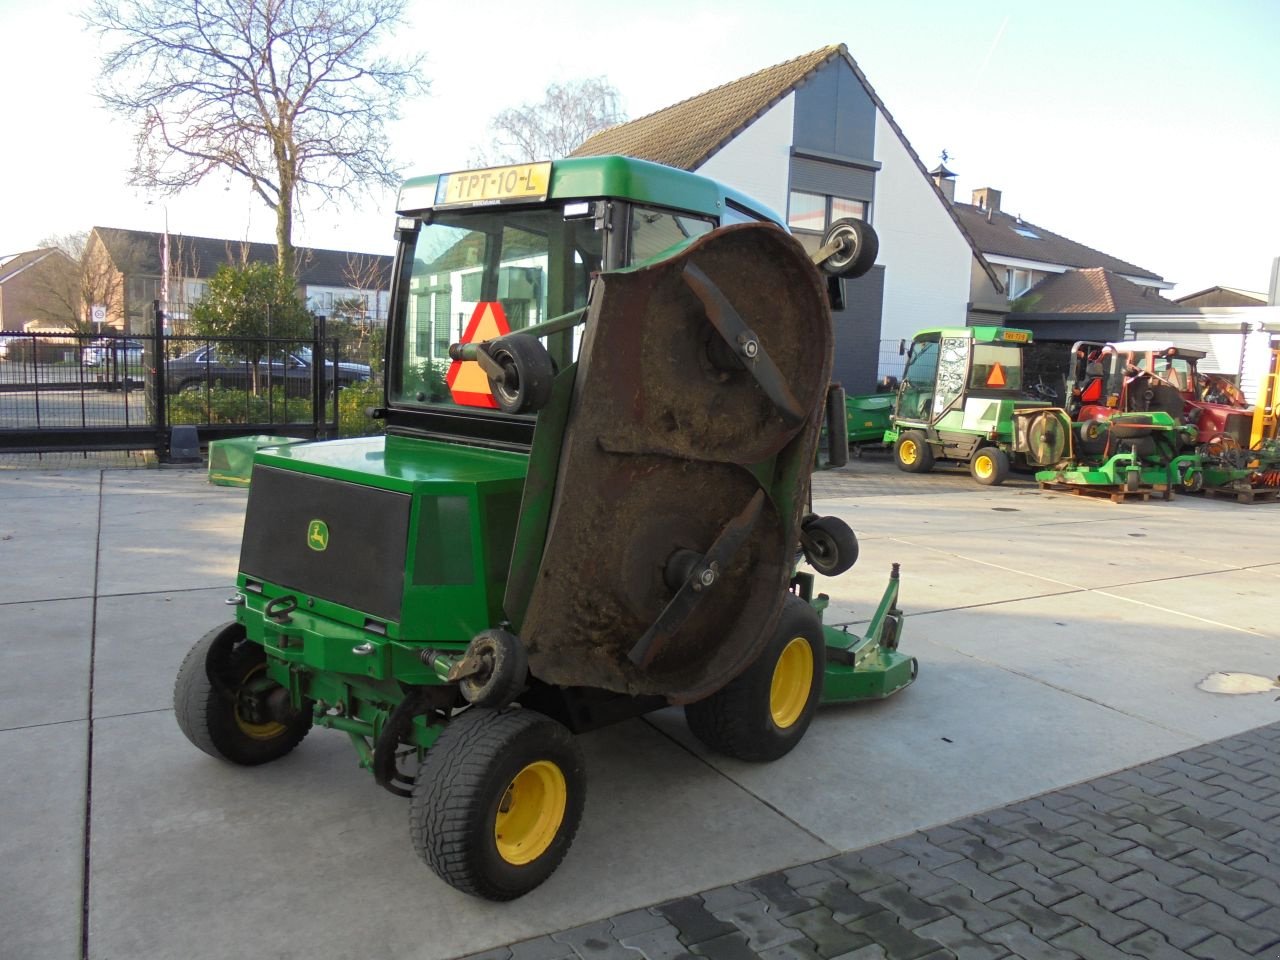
x=82 y=392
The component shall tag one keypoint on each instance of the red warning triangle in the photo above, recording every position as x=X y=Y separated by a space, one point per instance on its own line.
x=467 y=382
x=996 y=377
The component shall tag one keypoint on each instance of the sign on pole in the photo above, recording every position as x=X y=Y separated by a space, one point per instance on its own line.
x=98 y=313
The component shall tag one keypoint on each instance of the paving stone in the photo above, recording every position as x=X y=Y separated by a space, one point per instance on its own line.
x=920 y=881
x=1212 y=826
x=1203 y=806
x=693 y=921
x=1259 y=888
x=726 y=898
x=802 y=949
x=1103 y=802
x=1218 y=947
x=1244 y=934
x=1108 y=894
x=1228 y=781
x=1166 y=847
x=1045 y=838
x=1197 y=788
x=1225 y=874
x=1044 y=923
x=873 y=856
x=1107 y=924
x=844 y=904
x=637 y=921
x=1167 y=872
x=1104 y=841
x=595 y=940
x=830 y=937
x=1150 y=944
x=782 y=899
x=1085 y=942
x=872 y=951
x=1003 y=816
x=857 y=874
x=1041 y=813
x=977 y=916
x=1154 y=820
x=941 y=834
x=732 y=946
x=1085 y=854
x=1177 y=931
x=898 y=942
x=1246 y=821
x=1224 y=851
x=542 y=948
x=762 y=929
x=1259 y=866
x=910 y=910
x=925 y=852
x=660 y=944
x=1018 y=939
x=983 y=828
x=983 y=886
x=1049 y=864
x=1239 y=906
x=807 y=874
x=952 y=934
x=987 y=857
x=1047 y=892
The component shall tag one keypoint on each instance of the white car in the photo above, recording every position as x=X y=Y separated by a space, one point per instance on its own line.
x=126 y=352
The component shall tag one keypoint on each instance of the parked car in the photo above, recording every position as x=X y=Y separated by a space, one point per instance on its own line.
x=125 y=352
x=215 y=365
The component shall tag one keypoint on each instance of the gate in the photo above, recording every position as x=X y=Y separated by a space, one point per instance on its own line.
x=82 y=392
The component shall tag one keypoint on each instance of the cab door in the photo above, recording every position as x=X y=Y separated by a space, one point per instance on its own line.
x=915 y=394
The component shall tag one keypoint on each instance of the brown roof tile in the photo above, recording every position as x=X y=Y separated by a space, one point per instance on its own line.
x=1095 y=290
x=686 y=134
x=998 y=235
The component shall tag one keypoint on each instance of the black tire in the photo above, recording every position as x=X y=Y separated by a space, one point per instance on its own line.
x=749 y=719
x=861 y=246
x=1190 y=479
x=830 y=545
x=209 y=701
x=911 y=452
x=470 y=772
x=989 y=466
x=507 y=669
x=527 y=373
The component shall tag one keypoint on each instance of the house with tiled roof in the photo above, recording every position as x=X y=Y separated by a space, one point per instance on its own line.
x=1223 y=297
x=24 y=283
x=328 y=280
x=810 y=138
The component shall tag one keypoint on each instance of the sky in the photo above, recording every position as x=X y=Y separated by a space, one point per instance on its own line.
x=1148 y=130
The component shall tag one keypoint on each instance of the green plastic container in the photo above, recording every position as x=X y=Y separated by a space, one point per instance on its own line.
x=868 y=416
x=231 y=460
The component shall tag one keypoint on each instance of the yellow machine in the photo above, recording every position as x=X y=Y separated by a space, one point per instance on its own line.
x=1266 y=418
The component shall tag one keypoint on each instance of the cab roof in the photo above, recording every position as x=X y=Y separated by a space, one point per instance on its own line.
x=984 y=334
x=641 y=181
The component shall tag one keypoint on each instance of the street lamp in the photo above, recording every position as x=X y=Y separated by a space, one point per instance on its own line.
x=164 y=267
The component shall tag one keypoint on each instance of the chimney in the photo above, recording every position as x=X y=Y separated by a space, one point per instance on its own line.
x=946 y=181
x=987 y=198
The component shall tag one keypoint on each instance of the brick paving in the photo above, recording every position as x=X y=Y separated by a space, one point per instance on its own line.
x=1176 y=859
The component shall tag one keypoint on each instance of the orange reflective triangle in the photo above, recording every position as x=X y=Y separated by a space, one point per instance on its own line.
x=467 y=382
x=996 y=377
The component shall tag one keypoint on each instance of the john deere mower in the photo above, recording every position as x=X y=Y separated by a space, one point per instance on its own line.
x=605 y=384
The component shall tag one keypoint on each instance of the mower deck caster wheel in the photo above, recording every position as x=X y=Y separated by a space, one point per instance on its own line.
x=829 y=545
x=497 y=801
x=527 y=372
x=764 y=712
x=504 y=669
x=227 y=707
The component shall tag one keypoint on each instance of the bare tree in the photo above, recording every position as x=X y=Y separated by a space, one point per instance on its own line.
x=568 y=114
x=292 y=95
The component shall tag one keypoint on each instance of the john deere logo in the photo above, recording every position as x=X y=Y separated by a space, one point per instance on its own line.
x=317 y=535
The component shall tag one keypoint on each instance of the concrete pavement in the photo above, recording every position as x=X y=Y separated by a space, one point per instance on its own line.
x=1060 y=640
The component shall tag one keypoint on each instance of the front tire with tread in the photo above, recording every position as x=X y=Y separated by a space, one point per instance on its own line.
x=465 y=818
x=911 y=452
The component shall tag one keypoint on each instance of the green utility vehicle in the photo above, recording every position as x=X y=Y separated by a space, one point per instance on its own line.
x=605 y=384
x=961 y=399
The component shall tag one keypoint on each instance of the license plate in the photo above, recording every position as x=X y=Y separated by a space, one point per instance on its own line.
x=526 y=181
x=1015 y=336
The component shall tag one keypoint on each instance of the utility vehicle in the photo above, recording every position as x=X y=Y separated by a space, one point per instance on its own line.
x=605 y=384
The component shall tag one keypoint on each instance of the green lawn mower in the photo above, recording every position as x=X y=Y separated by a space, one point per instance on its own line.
x=605 y=385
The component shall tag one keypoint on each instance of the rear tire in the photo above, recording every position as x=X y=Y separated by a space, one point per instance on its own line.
x=764 y=712
x=497 y=801
x=989 y=466
x=911 y=452
x=210 y=701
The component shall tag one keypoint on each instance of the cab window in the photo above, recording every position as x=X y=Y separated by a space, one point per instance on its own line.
x=654 y=231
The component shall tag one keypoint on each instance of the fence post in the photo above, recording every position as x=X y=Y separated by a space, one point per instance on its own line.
x=319 y=391
x=159 y=390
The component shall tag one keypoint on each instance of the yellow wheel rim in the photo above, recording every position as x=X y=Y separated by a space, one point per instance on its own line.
x=792 y=681
x=530 y=813
x=983 y=466
x=908 y=452
x=257 y=731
